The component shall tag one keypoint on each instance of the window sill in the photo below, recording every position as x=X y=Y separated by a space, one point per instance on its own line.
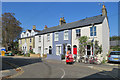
x=65 y=39
x=55 y=41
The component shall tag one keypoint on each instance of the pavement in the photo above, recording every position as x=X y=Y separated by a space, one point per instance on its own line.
x=45 y=68
x=7 y=72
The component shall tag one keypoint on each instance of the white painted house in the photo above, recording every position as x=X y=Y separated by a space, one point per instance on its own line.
x=43 y=43
x=26 y=41
x=56 y=40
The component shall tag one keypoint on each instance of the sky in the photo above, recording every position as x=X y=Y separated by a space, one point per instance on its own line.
x=49 y=13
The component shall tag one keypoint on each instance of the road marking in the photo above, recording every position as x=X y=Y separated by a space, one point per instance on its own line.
x=63 y=73
x=90 y=66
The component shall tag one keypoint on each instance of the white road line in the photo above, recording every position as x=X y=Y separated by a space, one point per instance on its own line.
x=63 y=73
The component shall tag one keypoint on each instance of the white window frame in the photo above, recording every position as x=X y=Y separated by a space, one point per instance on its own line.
x=30 y=40
x=58 y=50
x=66 y=35
x=78 y=33
x=20 y=41
x=56 y=37
x=39 y=38
x=95 y=31
x=48 y=37
x=27 y=34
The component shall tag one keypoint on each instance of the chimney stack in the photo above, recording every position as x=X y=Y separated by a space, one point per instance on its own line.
x=104 y=11
x=62 y=21
x=34 y=27
x=45 y=27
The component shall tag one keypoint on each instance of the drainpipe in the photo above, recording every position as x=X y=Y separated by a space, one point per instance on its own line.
x=43 y=45
x=71 y=43
x=93 y=39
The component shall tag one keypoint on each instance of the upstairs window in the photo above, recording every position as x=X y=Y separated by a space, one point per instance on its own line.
x=65 y=35
x=30 y=40
x=20 y=41
x=39 y=38
x=56 y=36
x=93 y=31
x=27 y=34
x=78 y=33
x=48 y=37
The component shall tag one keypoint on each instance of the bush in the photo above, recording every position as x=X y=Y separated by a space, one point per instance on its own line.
x=27 y=55
x=31 y=51
x=63 y=56
x=103 y=61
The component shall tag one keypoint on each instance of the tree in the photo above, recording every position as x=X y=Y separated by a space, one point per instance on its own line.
x=82 y=45
x=98 y=49
x=83 y=42
x=10 y=29
x=114 y=38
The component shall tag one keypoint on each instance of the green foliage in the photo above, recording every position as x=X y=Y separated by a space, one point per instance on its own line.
x=103 y=61
x=63 y=56
x=115 y=48
x=11 y=29
x=27 y=55
x=31 y=51
x=98 y=49
x=82 y=44
x=114 y=38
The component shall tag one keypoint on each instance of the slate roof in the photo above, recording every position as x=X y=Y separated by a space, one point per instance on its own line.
x=29 y=30
x=36 y=30
x=81 y=23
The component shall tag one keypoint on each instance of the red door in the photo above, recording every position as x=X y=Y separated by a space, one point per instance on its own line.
x=75 y=51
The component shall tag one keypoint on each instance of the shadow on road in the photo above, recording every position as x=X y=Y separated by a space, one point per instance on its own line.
x=106 y=75
x=114 y=62
x=19 y=62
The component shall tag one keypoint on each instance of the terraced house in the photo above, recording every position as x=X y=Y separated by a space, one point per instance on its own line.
x=26 y=41
x=55 y=41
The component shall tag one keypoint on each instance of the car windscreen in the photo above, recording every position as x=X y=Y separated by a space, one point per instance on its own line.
x=115 y=53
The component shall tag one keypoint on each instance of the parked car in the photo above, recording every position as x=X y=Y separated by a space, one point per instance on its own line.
x=114 y=56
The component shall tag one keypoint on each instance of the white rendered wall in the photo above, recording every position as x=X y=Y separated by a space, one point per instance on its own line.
x=85 y=31
x=105 y=38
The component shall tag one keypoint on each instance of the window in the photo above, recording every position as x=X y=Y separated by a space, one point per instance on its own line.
x=25 y=40
x=78 y=33
x=30 y=48
x=91 y=31
x=65 y=35
x=25 y=47
x=22 y=35
x=30 y=40
x=27 y=34
x=48 y=37
x=20 y=41
x=56 y=37
x=58 y=50
x=39 y=38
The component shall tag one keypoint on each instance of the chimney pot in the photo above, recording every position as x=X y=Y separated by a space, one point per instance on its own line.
x=34 y=27
x=45 y=27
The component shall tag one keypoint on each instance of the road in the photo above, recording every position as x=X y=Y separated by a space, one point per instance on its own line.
x=37 y=68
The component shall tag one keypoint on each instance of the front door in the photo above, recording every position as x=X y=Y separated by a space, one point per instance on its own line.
x=75 y=49
x=50 y=50
x=88 y=50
